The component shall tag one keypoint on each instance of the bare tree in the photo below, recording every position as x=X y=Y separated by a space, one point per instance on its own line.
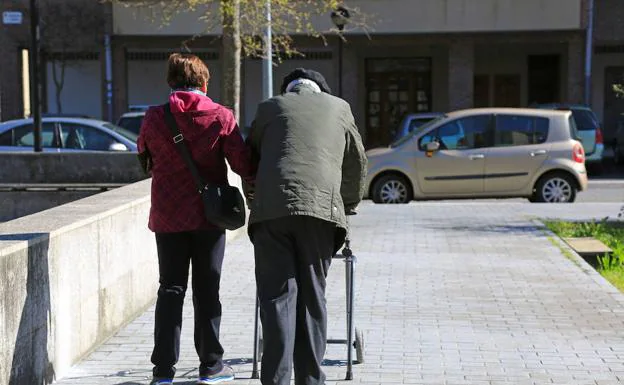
x=243 y=22
x=69 y=30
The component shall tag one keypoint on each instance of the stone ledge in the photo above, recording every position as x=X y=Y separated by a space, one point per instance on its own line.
x=588 y=246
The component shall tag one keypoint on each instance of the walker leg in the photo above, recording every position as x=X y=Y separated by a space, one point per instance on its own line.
x=349 y=270
x=254 y=370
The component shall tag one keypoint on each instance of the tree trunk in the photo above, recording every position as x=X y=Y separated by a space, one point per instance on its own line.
x=59 y=82
x=231 y=56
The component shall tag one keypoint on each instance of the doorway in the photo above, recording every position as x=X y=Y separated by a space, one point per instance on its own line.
x=613 y=102
x=394 y=88
x=544 y=74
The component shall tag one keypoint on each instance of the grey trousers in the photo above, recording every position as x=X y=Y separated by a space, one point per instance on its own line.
x=293 y=255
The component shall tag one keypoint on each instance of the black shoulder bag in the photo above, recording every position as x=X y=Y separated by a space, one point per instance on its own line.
x=223 y=204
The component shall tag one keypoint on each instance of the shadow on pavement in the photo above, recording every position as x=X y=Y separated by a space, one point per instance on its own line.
x=507 y=229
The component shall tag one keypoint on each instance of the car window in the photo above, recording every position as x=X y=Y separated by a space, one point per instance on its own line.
x=122 y=131
x=132 y=124
x=585 y=120
x=461 y=134
x=573 y=128
x=81 y=137
x=520 y=130
x=24 y=136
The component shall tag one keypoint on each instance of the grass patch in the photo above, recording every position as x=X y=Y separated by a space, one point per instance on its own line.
x=610 y=266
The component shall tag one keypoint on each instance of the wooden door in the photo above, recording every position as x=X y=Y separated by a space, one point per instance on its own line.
x=395 y=87
x=507 y=90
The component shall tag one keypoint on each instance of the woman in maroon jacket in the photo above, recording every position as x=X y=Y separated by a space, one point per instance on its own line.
x=183 y=235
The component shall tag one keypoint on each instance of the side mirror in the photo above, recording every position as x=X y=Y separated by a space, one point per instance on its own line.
x=433 y=146
x=118 y=147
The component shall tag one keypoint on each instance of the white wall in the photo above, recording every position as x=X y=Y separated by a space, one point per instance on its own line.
x=82 y=89
x=392 y=16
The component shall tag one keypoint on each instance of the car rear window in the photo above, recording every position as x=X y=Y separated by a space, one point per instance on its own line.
x=131 y=123
x=584 y=120
x=122 y=131
x=573 y=129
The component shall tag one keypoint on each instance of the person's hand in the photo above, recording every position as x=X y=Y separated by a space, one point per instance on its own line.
x=250 y=192
x=351 y=210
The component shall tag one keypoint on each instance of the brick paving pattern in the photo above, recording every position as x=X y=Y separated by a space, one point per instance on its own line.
x=446 y=294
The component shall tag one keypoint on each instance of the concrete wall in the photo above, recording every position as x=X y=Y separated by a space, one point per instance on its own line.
x=415 y=16
x=15 y=204
x=92 y=167
x=70 y=277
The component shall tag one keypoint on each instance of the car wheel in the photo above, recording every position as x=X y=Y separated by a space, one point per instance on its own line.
x=392 y=189
x=617 y=155
x=555 y=188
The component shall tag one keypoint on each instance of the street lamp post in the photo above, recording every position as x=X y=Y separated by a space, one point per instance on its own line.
x=35 y=83
x=267 y=61
x=340 y=18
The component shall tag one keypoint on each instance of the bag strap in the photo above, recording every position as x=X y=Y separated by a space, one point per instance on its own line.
x=178 y=139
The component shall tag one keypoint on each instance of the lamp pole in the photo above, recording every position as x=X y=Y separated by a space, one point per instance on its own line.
x=340 y=44
x=340 y=18
x=35 y=83
x=589 y=48
x=267 y=61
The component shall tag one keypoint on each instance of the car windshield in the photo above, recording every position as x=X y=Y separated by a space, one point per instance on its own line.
x=418 y=130
x=122 y=131
x=418 y=124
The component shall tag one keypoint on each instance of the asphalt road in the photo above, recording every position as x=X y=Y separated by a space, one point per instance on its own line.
x=603 y=190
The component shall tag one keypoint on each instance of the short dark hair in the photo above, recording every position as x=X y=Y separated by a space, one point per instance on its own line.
x=185 y=70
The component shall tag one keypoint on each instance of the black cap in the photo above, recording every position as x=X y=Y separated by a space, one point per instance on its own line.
x=302 y=73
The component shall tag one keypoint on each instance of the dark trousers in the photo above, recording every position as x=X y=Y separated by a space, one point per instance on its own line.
x=293 y=255
x=204 y=249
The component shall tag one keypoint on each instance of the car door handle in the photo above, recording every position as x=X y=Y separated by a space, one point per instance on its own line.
x=538 y=152
x=477 y=156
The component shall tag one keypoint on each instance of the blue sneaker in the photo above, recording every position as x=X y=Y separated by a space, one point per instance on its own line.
x=225 y=374
x=161 y=381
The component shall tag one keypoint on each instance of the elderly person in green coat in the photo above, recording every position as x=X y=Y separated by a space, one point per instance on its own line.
x=311 y=169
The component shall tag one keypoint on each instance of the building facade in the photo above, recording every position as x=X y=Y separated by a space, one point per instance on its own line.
x=420 y=55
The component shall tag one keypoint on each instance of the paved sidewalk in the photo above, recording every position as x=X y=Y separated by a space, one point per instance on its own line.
x=446 y=293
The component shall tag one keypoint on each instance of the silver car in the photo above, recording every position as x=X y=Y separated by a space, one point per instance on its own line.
x=63 y=134
x=483 y=153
